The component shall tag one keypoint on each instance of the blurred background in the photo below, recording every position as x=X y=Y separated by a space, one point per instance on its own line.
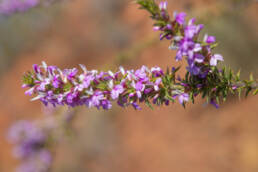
x=104 y=34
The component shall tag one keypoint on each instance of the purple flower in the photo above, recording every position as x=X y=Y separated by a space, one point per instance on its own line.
x=136 y=106
x=183 y=98
x=179 y=55
x=157 y=83
x=28 y=166
x=199 y=58
x=148 y=90
x=71 y=97
x=87 y=81
x=169 y=27
x=156 y=28
x=139 y=87
x=197 y=47
x=96 y=98
x=203 y=74
x=28 y=138
x=191 y=30
x=209 y=39
x=184 y=84
x=70 y=73
x=157 y=71
x=45 y=157
x=213 y=102
x=180 y=18
x=36 y=68
x=30 y=91
x=56 y=82
x=106 y=104
x=192 y=68
x=167 y=102
x=234 y=87
x=39 y=162
x=184 y=46
x=25 y=130
x=163 y=5
x=8 y=7
x=141 y=74
x=116 y=91
x=51 y=70
x=215 y=58
x=169 y=36
x=122 y=101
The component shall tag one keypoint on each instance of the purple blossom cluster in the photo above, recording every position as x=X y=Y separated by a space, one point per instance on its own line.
x=97 y=88
x=30 y=146
x=184 y=38
x=8 y=7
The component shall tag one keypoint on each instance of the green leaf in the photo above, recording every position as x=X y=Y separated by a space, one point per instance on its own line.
x=67 y=86
x=176 y=69
x=248 y=91
x=167 y=71
x=170 y=98
x=101 y=86
x=251 y=77
x=255 y=92
x=164 y=81
x=230 y=75
x=192 y=97
x=217 y=99
x=187 y=76
x=204 y=94
x=28 y=79
x=238 y=76
x=239 y=93
x=214 y=45
x=147 y=102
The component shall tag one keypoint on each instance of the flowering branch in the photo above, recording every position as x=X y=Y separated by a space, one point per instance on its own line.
x=128 y=87
x=98 y=89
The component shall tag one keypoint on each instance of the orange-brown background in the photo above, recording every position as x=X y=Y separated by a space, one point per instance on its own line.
x=104 y=34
